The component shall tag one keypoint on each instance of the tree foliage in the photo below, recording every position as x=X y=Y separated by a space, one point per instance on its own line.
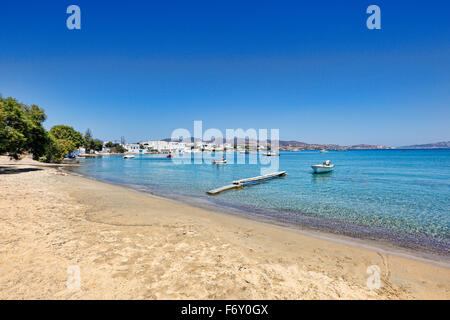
x=21 y=129
x=57 y=149
x=62 y=132
x=90 y=143
x=63 y=141
x=115 y=147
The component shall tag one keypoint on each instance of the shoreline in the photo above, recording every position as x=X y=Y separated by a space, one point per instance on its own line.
x=130 y=245
x=388 y=247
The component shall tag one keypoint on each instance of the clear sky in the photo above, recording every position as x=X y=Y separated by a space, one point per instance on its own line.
x=310 y=68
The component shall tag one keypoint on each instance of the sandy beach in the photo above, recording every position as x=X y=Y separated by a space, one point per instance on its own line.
x=129 y=245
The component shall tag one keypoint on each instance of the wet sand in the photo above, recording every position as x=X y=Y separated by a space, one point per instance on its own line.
x=129 y=245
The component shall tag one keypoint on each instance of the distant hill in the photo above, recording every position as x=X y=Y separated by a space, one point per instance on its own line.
x=436 y=145
x=292 y=143
x=298 y=145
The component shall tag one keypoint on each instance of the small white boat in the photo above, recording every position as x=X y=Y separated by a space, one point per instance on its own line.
x=324 y=167
x=323 y=151
x=219 y=161
x=129 y=156
x=271 y=154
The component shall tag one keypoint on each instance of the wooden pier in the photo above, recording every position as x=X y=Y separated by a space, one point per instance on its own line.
x=224 y=188
x=237 y=184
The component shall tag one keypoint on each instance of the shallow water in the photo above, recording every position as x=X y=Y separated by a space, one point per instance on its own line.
x=397 y=196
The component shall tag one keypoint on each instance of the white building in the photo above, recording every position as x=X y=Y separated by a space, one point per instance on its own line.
x=166 y=146
x=228 y=146
x=158 y=145
x=81 y=151
x=133 y=148
x=179 y=146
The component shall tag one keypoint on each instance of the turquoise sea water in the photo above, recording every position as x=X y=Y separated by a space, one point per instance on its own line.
x=402 y=197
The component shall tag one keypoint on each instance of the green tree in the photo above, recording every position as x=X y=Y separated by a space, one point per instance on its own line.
x=21 y=129
x=62 y=132
x=57 y=149
x=63 y=141
x=90 y=143
x=96 y=145
x=38 y=138
x=120 y=149
x=115 y=147
x=88 y=135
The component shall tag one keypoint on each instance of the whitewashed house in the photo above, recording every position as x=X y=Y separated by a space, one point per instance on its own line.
x=133 y=148
x=157 y=145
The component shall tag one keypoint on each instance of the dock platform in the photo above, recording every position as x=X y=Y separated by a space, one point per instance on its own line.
x=224 y=188
x=237 y=184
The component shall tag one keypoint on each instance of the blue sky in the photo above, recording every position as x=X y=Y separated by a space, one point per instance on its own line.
x=310 y=68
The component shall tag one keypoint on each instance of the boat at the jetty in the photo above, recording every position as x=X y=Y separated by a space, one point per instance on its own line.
x=223 y=161
x=237 y=184
x=271 y=154
x=324 y=167
x=129 y=156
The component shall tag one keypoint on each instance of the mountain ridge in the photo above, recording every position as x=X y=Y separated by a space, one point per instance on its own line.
x=289 y=145
x=294 y=145
x=435 y=145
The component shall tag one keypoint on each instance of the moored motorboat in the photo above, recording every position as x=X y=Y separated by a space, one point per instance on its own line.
x=129 y=156
x=324 y=167
x=323 y=151
x=271 y=154
x=223 y=161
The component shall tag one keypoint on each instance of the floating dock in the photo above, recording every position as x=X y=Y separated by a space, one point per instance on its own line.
x=237 y=184
x=224 y=188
